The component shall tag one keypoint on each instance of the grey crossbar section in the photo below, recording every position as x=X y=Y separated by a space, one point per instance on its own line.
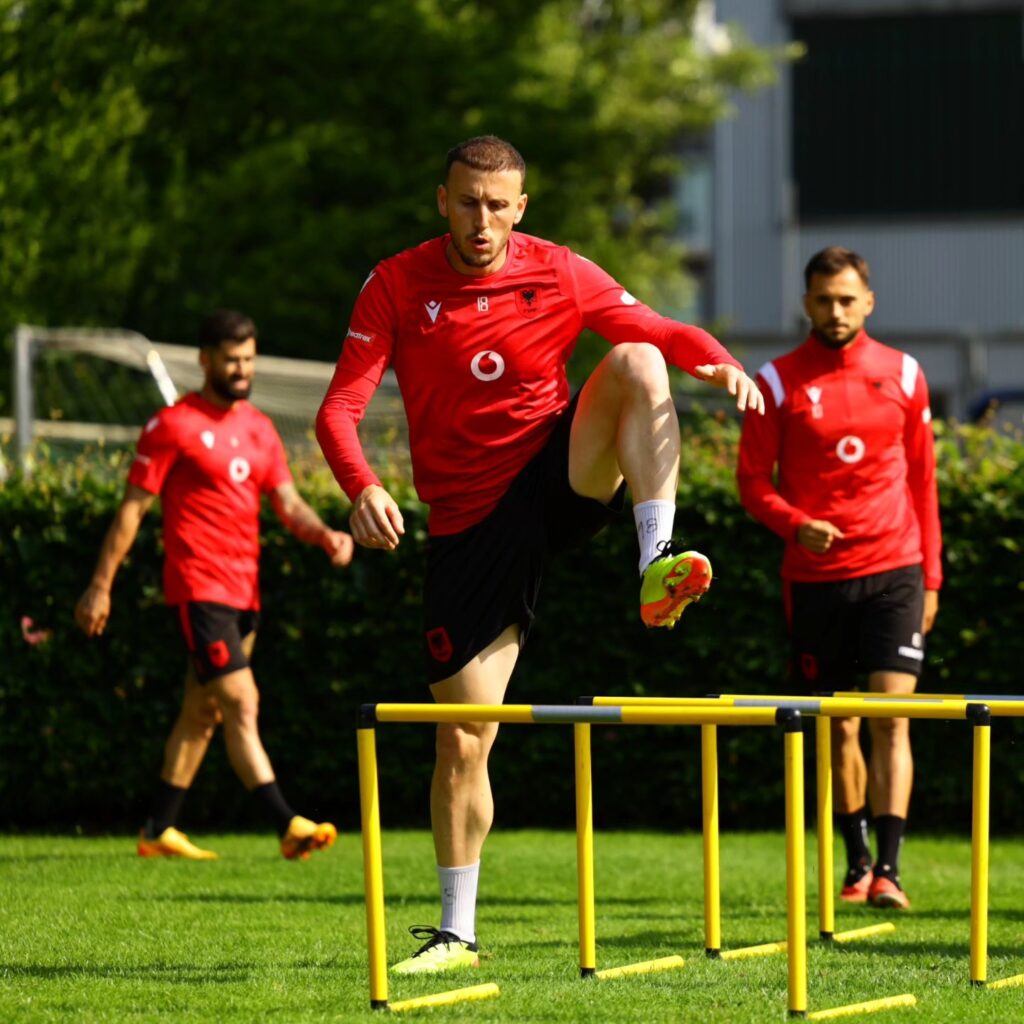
x=783 y=705
x=572 y=713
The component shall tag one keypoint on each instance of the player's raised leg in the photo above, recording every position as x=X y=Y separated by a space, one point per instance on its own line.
x=462 y=808
x=626 y=427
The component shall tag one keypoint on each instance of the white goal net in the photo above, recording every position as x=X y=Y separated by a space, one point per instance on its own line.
x=75 y=387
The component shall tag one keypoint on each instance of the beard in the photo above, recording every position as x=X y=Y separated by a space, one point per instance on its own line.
x=831 y=341
x=231 y=390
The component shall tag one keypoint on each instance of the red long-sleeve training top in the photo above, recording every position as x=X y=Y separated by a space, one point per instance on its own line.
x=850 y=432
x=480 y=362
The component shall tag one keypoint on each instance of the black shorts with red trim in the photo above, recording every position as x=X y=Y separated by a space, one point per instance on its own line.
x=844 y=628
x=213 y=635
x=486 y=578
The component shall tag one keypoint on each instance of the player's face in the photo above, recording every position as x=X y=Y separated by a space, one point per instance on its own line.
x=229 y=368
x=837 y=306
x=481 y=207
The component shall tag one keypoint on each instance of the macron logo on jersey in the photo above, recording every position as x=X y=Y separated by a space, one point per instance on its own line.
x=814 y=394
x=433 y=308
x=207 y=438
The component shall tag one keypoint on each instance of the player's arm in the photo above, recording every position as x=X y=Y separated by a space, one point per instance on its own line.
x=93 y=608
x=919 y=441
x=376 y=520
x=300 y=519
x=612 y=312
x=759 y=453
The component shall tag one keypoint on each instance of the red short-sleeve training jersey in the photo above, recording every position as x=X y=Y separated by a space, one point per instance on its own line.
x=210 y=466
x=481 y=365
x=850 y=432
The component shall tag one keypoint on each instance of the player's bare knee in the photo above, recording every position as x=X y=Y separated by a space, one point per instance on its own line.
x=891 y=731
x=462 y=747
x=845 y=731
x=640 y=367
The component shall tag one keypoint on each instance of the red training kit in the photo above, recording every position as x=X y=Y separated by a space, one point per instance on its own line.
x=850 y=430
x=209 y=466
x=481 y=365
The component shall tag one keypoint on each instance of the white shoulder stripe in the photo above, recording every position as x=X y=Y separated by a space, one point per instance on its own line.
x=908 y=378
x=774 y=381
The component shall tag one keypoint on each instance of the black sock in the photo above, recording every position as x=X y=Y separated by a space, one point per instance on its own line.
x=853 y=827
x=270 y=793
x=165 y=808
x=889 y=829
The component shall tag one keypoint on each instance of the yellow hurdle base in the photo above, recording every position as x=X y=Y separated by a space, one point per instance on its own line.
x=864 y=933
x=665 y=963
x=456 y=995
x=872 y=1006
x=1017 y=981
x=767 y=949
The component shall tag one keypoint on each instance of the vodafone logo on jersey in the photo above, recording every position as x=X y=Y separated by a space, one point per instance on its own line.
x=487 y=366
x=239 y=469
x=850 y=449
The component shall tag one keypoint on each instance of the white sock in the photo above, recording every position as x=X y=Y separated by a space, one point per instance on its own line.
x=458 y=900
x=654 y=521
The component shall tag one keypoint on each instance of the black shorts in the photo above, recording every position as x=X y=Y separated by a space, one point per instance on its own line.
x=843 y=628
x=484 y=579
x=213 y=635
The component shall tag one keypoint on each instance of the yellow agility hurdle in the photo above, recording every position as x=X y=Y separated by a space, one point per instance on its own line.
x=581 y=718
x=999 y=706
x=853 y=704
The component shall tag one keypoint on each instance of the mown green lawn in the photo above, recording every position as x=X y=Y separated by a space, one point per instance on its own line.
x=89 y=932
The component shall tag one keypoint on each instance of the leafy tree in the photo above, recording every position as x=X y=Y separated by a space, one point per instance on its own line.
x=158 y=158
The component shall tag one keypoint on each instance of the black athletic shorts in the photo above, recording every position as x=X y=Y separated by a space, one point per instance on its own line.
x=213 y=635
x=841 y=629
x=484 y=579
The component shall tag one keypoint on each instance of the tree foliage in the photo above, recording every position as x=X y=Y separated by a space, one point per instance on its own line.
x=162 y=157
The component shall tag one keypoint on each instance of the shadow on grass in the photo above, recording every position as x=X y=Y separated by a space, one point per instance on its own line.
x=219 y=974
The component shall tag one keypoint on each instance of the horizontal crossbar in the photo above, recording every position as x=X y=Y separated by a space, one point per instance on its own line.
x=568 y=714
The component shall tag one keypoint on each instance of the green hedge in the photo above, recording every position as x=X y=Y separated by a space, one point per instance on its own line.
x=83 y=722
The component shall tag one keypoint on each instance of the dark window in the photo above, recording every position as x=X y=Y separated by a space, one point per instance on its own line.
x=909 y=115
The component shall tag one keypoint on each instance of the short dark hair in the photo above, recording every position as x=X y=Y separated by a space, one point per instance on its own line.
x=486 y=153
x=225 y=325
x=834 y=260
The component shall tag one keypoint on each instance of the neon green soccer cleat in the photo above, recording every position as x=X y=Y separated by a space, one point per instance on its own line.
x=671 y=582
x=443 y=951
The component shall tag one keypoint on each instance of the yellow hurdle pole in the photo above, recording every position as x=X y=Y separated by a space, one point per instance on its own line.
x=665 y=963
x=982 y=720
x=585 y=850
x=867 y=932
x=826 y=871
x=796 y=874
x=871 y=1006
x=373 y=866
x=457 y=995
x=712 y=864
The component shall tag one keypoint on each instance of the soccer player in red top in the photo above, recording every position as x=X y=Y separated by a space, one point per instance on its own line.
x=478 y=325
x=210 y=458
x=848 y=426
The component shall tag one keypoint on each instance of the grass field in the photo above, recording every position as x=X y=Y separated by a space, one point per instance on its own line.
x=89 y=932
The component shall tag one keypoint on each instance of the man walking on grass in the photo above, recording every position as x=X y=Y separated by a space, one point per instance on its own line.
x=210 y=458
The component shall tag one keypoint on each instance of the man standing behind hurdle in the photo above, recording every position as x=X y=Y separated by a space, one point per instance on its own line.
x=848 y=425
x=210 y=458
x=479 y=324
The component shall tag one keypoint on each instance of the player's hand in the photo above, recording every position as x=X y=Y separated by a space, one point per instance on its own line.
x=93 y=610
x=376 y=521
x=736 y=382
x=931 y=609
x=339 y=547
x=817 y=535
